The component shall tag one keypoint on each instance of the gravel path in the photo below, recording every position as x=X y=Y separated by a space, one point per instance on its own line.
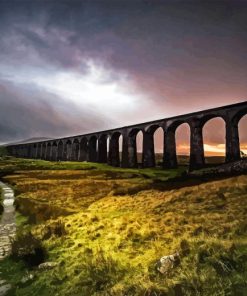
x=7 y=230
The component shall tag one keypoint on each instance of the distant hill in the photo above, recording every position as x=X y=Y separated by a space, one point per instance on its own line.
x=36 y=139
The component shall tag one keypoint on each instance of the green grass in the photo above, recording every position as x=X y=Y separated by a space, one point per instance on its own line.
x=106 y=227
x=3 y=151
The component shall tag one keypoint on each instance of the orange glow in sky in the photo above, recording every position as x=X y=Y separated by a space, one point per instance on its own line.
x=209 y=149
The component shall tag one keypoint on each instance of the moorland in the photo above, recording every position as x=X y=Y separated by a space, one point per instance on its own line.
x=104 y=229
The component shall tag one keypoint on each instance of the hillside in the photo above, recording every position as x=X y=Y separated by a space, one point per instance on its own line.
x=107 y=227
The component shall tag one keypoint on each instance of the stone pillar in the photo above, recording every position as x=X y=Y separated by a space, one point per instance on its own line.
x=19 y=150
x=92 y=150
x=125 y=152
x=48 y=152
x=60 y=151
x=197 y=159
x=170 y=154
x=69 y=151
x=232 y=141
x=132 y=151
x=54 y=149
x=83 y=154
x=65 y=148
x=102 y=149
x=75 y=151
x=44 y=151
x=148 y=156
x=36 y=151
x=16 y=151
x=114 y=152
x=25 y=151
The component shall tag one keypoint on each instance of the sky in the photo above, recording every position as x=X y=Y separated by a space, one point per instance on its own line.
x=73 y=67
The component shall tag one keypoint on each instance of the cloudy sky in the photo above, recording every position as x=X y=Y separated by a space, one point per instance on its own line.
x=71 y=67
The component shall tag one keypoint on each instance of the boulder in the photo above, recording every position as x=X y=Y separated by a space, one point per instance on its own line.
x=166 y=263
x=47 y=265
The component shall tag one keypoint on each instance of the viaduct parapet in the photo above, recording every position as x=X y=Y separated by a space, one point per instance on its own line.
x=93 y=147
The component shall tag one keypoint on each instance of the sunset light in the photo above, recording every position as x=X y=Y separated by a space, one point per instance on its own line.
x=123 y=147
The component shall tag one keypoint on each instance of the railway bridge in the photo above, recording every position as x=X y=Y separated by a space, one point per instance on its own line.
x=92 y=147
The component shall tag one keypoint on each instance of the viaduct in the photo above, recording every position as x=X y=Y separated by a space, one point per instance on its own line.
x=93 y=147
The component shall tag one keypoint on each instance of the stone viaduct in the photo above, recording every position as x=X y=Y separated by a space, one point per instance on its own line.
x=93 y=147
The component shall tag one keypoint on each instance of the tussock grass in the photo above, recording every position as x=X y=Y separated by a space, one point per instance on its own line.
x=108 y=227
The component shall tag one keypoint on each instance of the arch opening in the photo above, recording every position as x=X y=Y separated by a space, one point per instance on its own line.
x=158 y=138
x=139 y=148
x=214 y=133
x=182 y=140
x=135 y=148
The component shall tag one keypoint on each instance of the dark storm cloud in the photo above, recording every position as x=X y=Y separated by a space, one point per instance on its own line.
x=183 y=55
x=27 y=112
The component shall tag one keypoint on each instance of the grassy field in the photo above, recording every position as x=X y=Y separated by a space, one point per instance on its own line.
x=107 y=227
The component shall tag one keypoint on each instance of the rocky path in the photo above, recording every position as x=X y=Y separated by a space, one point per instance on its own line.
x=7 y=229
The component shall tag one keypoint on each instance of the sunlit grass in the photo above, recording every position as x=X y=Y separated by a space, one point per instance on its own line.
x=106 y=227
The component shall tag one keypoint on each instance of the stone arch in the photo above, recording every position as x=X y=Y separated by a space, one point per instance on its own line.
x=153 y=145
x=114 y=157
x=75 y=150
x=54 y=151
x=83 y=154
x=214 y=134
x=206 y=118
x=92 y=149
x=238 y=116
x=170 y=153
x=135 y=147
x=233 y=139
x=60 y=150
